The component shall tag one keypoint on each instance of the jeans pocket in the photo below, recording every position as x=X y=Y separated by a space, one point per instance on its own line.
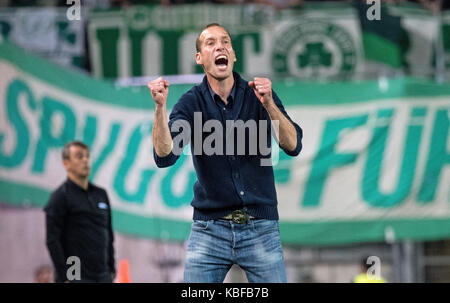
x=200 y=225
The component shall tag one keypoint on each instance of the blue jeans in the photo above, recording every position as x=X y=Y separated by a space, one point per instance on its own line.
x=215 y=245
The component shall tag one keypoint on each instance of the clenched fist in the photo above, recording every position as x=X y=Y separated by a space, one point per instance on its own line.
x=263 y=90
x=159 y=88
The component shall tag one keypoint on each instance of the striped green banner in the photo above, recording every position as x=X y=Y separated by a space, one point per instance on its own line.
x=374 y=167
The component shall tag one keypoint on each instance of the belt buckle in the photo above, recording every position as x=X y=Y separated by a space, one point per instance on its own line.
x=239 y=216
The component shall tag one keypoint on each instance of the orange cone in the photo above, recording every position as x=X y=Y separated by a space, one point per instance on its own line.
x=123 y=274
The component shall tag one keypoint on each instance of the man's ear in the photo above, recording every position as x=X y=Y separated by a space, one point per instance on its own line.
x=198 y=58
x=66 y=163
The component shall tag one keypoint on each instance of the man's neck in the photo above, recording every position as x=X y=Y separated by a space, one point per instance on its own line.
x=81 y=182
x=221 y=87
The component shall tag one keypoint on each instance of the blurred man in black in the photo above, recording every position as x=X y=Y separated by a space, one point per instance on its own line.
x=78 y=221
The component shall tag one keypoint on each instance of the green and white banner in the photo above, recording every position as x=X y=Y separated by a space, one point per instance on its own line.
x=317 y=41
x=445 y=32
x=46 y=31
x=404 y=38
x=375 y=164
x=156 y=40
x=422 y=29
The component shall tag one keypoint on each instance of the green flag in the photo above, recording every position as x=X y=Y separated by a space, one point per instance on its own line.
x=384 y=40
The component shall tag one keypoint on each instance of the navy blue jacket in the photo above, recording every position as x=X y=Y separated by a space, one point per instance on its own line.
x=226 y=182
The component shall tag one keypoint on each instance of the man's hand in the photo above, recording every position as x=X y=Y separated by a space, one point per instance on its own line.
x=263 y=90
x=162 y=139
x=287 y=134
x=159 y=88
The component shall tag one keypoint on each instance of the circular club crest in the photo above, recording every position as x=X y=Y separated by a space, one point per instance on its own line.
x=314 y=49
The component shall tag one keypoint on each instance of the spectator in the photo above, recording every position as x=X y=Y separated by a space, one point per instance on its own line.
x=78 y=222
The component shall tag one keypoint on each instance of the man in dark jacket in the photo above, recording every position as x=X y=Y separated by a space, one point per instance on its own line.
x=235 y=202
x=78 y=222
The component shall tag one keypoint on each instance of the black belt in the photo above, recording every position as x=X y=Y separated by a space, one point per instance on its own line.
x=238 y=216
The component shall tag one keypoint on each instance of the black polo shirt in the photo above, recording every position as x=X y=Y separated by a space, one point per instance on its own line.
x=78 y=224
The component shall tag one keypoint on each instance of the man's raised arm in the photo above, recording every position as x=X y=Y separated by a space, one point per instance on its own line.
x=162 y=140
x=290 y=135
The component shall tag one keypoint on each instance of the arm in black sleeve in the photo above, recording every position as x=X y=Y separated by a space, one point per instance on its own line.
x=179 y=121
x=56 y=211
x=111 y=259
x=298 y=129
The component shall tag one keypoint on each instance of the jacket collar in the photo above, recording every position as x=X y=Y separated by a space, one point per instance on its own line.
x=76 y=186
x=240 y=85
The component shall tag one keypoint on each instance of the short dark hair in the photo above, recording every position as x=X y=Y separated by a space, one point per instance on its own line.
x=66 y=149
x=198 y=43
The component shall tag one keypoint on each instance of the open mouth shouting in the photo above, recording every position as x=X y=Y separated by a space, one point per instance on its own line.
x=221 y=62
